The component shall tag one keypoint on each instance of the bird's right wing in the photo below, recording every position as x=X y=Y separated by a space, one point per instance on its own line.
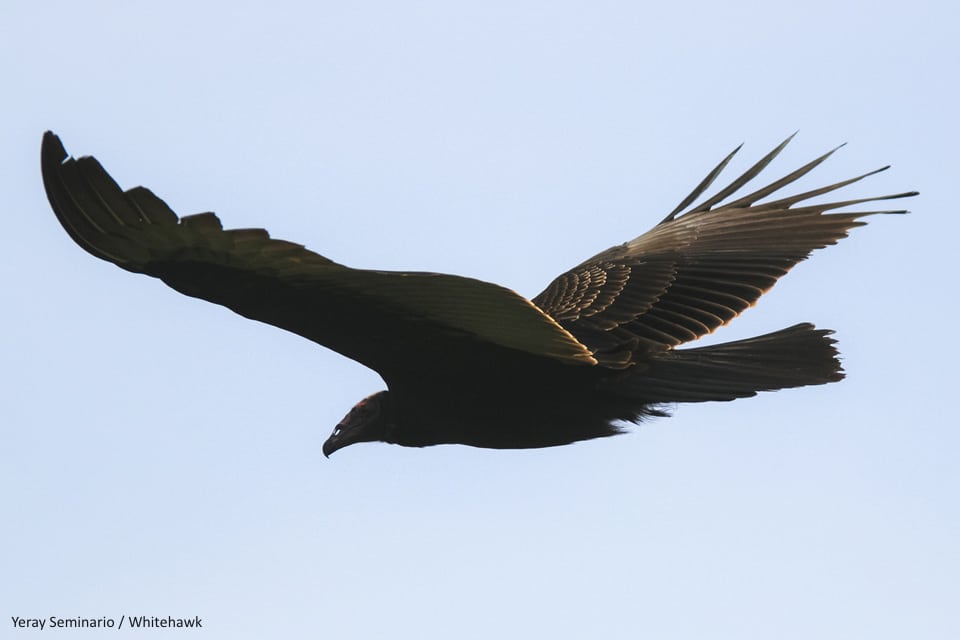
x=696 y=271
x=389 y=321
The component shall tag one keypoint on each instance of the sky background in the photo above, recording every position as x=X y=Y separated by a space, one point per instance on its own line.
x=161 y=455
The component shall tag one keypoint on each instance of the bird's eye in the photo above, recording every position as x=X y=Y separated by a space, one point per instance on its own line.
x=336 y=431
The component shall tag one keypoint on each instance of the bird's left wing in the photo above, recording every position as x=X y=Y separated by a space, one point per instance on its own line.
x=378 y=318
x=696 y=271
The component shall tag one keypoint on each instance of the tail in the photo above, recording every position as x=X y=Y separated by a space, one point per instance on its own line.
x=794 y=357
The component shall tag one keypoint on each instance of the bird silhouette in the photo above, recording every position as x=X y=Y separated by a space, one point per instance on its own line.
x=474 y=363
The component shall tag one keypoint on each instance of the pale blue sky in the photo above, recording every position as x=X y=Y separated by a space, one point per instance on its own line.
x=162 y=455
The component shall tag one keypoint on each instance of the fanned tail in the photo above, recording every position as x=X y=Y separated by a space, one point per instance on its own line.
x=797 y=356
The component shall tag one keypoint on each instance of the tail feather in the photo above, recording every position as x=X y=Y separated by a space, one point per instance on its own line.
x=794 y=357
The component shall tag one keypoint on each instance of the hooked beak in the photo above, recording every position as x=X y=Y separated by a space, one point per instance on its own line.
x=363 y=423
x=333 y=442
x=344 y=434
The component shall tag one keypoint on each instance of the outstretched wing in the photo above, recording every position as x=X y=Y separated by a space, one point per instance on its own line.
x=385 y=320
x=696 y=271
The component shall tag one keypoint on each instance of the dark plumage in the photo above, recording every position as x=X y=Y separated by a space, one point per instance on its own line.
x=473 y=363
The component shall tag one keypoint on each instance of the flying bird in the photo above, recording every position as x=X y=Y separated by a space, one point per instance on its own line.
x=474 y=363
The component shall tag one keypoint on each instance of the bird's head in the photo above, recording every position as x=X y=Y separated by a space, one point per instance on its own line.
x=368 y=421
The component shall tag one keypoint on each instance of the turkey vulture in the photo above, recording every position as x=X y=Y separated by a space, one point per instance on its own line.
x=469 y=362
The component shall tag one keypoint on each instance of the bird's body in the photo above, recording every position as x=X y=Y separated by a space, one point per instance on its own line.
x=469 y=362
